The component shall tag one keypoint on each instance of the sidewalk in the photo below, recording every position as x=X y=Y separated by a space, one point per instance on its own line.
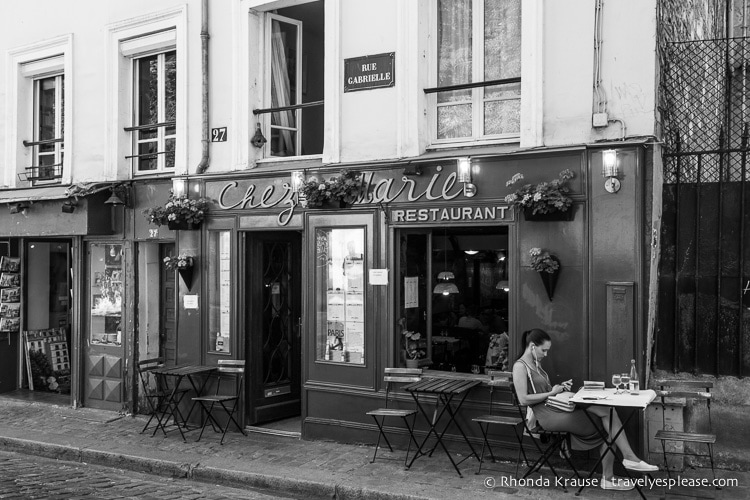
x=301 y=469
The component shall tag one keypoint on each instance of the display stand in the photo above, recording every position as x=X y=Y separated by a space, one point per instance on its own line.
x=10 y=294
x=48 y=348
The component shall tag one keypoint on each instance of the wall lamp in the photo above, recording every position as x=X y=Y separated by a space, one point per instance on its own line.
x=610 y=170
x=179 y=186
x=463 y=169
x=69 y=206
x=258 y=140
x=20 y=207
x=298 y=179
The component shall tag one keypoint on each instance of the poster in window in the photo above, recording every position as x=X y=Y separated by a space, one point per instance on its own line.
x=10 y=294
x=10 y=310
x=411 y=292
x=10 y=279
x=10 y=264
x=354 y=272
x=355 y=336
x=10 y=324
x=335 y=305
x=355 y=307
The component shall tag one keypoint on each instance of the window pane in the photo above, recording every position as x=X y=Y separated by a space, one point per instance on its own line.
x=502 y=39
x=62 y=107
x=454 y=42
x=502 y=117
x=454 y=96
x=148 y=106
x=282 y=142
x=219 y=291
x=169 y=156
x=340 y=315
x=283 y=65
x=170 y=86
x=147 y=162
x=105 y=276
x=46 y=100
x=454 y=121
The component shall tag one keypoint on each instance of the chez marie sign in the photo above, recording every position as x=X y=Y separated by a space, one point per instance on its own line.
x=381 y=187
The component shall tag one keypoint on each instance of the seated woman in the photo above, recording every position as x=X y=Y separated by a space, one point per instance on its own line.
x=533 y=387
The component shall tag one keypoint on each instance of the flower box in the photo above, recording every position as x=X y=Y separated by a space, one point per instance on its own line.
x=183 y=226
x=567 y=215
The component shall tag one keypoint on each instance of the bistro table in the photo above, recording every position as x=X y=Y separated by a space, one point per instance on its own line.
x=445 y=389
x=171 y=407
x=585 y=398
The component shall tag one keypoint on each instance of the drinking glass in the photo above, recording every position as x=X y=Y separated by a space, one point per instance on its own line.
x=475 y=369
x=625 y=379
x=616 y=382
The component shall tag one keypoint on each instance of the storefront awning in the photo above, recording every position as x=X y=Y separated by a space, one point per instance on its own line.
x=50 y=192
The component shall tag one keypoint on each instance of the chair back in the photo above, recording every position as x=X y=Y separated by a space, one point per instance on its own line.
x=145 y=373
x=697 y=391
x=500 y=381
x=230 y=369
x=400 y=376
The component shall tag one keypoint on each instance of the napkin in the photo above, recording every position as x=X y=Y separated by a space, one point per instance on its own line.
x=592 y=385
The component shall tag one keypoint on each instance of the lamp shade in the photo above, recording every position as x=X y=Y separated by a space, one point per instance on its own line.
x=445 y=288
x=446 y=275
x=503 y=285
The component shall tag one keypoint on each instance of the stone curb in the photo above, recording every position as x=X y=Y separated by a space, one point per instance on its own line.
x=302 y=488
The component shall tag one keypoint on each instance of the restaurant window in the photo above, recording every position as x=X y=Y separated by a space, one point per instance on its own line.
x=219 y=292
x=105 y=294
x=294 y=62
x=453 y=292
x=339 y=285
x=155 y=112
x=478 y=41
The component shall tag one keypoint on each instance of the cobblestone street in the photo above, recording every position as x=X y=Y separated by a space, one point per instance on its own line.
x=26 y=477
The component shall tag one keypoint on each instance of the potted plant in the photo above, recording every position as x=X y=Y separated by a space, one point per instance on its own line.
x=548 y=267
x=183 y=264
x=543 y=201
x=180 y=212
x=412 y=351
x=343 y=189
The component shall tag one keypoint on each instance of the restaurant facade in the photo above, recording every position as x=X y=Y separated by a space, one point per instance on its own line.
x=429 y=260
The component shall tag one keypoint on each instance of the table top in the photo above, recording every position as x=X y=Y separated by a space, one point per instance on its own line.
x=437 y=385
x=182 y=370
x=607 y=397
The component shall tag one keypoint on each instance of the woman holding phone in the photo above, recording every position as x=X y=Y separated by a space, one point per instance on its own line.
x=533 y=387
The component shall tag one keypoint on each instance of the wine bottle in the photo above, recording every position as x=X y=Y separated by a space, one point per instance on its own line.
x=634 y=384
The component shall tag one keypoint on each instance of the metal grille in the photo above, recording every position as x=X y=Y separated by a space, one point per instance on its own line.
x=277 y=314
x=704 y=275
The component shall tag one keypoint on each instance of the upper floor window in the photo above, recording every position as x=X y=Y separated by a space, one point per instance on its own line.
x=294 y=80
x=49 y=119
x=155 y=112
x=479 y=70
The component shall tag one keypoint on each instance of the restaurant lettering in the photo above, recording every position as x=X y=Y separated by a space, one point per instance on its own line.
x=449 y=214
x=440 y=187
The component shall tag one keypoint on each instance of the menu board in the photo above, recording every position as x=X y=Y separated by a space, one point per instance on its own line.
x=10 y=294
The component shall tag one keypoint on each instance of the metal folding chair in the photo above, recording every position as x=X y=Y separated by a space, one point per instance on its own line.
x=156 y=393
x=394 y=376
x=229 y=371
x=500 y=381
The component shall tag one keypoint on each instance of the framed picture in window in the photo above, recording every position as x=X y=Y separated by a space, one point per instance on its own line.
x=10 y=324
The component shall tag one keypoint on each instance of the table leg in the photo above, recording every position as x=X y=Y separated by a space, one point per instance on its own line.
x=198 y=392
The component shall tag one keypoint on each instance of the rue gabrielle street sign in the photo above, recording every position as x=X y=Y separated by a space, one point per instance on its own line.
x=369 y=72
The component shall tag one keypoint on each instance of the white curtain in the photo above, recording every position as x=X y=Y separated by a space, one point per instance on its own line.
x=281 y=89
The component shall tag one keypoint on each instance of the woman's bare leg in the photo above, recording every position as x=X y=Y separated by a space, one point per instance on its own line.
x=608 y=461
x=622 y=440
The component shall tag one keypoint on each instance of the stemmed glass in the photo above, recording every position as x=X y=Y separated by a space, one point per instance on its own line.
x=625 y=378
x=616 y=381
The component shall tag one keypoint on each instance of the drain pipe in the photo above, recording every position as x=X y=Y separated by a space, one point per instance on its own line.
x=203 y=165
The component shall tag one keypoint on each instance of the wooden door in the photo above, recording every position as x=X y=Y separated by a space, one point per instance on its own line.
x=273 y=289
x=167 y=313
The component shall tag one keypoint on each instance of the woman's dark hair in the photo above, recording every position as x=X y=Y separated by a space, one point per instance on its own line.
x=535 y=335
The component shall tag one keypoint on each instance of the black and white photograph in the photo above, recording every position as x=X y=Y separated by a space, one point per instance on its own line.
x=9 y=324
x=418 y=248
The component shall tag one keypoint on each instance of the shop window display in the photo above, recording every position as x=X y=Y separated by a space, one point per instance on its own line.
x=462 y=327
x=340 y=308
x=219 y=292
x=106 y=294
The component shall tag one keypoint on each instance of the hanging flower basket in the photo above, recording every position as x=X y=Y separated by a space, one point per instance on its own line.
x=183 y=226
x=184 y=265
x=543 y=201
x=548 y=267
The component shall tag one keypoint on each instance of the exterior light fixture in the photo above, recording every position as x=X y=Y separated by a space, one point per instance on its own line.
x=463 y=166
x=610 y=170
x=471 y=252
x=69 y=206
x=179 y=186
x=298 y=178
x=503 y=285
x=20 y=207
x=113 y=199
x=258 y=140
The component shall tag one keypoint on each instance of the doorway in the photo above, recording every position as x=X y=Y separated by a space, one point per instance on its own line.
x=273 y=301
